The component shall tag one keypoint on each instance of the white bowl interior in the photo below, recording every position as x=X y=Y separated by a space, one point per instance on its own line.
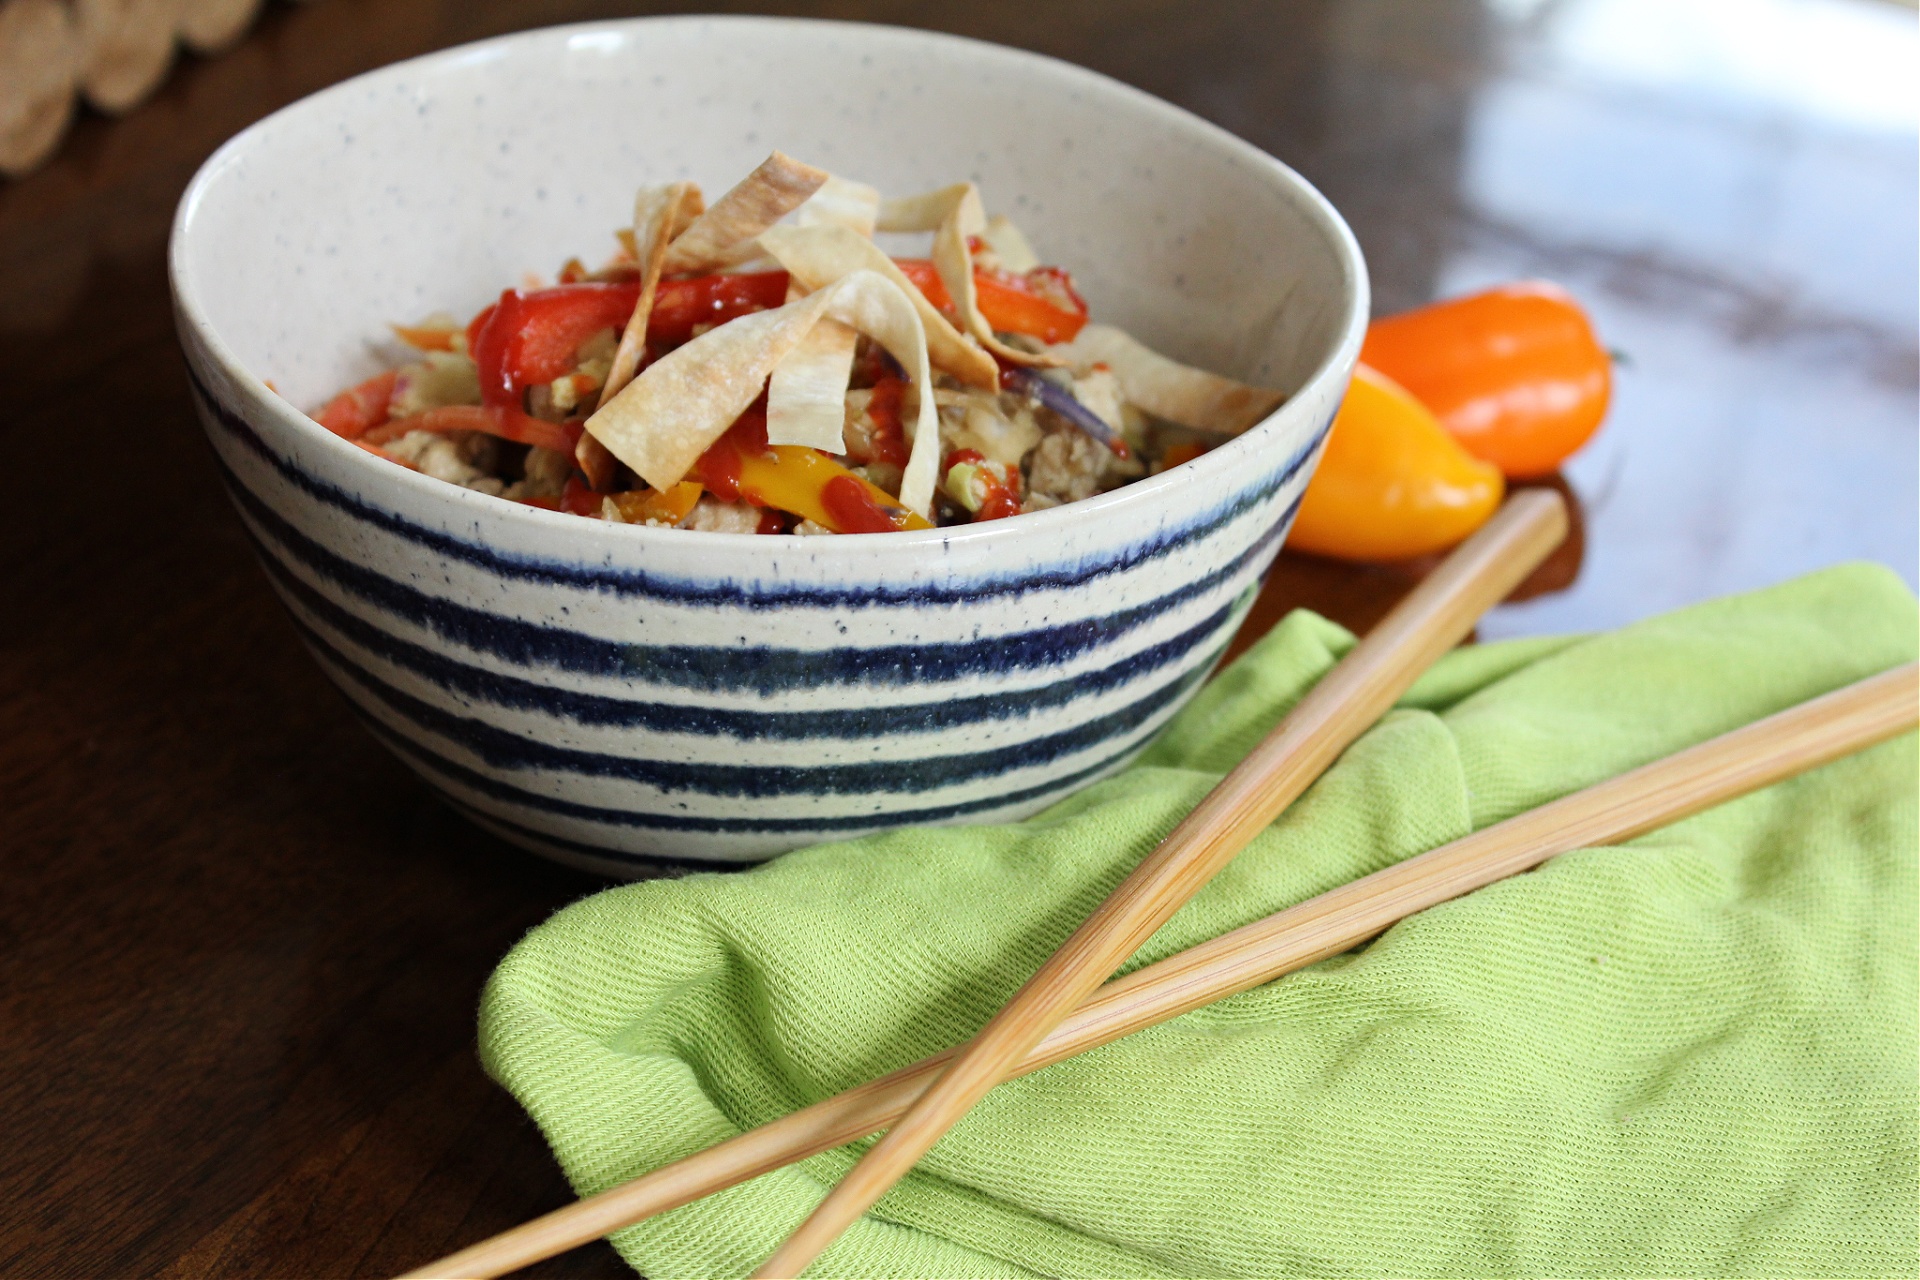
x=433 y=184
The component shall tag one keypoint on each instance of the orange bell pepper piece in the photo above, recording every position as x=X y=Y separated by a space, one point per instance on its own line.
x=359 y=409
x=1042 y=303
x=1391 y=484
x=495 y=420
x=668 y=506
x=1515 y=373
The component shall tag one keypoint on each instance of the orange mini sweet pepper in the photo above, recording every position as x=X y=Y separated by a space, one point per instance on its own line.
x=1514 y=373
x=1391 y=484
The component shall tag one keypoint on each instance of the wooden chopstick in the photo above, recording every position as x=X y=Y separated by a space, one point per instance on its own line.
x=1358 y=691
x=1721 y=769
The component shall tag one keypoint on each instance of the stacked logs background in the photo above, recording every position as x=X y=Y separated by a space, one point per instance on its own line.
x=110 y=53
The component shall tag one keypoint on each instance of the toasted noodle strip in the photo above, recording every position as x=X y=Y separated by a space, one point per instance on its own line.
x=841 y=202
x=723 y=235
x=674 y=411
x=659 y=214
x=817 y=256
x=1168 y=389
x=1009 y=244
x=924 y=212
x=807 y=397
x=955 y=215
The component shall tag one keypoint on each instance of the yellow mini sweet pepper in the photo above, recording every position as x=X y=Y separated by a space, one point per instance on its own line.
x=1392 y=484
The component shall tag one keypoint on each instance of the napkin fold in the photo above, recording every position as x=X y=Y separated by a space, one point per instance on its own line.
x=1694 y=1054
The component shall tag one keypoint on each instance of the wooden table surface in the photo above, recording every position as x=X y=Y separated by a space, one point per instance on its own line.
x=242 y=949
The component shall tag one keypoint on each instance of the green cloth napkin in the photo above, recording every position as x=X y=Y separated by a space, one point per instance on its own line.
x=1694 y=1054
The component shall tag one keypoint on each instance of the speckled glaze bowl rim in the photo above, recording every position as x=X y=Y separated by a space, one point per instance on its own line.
x=1143 y=493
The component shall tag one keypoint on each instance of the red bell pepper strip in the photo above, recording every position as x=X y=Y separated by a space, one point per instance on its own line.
x=358 y=410
x=889 y=435
x=580 y=499
x=533 y=336
x=710 y=300
x=530 y=337
x=508 y=424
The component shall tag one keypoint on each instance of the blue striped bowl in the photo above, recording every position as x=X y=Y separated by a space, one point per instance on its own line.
x=602 y=694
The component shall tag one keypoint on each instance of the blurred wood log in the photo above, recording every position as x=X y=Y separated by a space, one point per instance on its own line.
x=211 y=26
x=39 y=63
x=126 y=47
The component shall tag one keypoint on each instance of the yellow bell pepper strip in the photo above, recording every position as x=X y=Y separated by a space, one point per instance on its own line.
x=808 y=483
x=742 y=466
x=670 y=506
x=1392 y=484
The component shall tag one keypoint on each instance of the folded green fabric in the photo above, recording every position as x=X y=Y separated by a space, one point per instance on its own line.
x=1691 y=1055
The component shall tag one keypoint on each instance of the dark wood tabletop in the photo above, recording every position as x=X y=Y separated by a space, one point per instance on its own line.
x=242 y=948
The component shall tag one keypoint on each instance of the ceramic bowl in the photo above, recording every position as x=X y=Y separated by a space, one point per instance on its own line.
x=602 y=693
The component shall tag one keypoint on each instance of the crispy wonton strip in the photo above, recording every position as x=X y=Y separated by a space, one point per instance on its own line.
x=674 y=411
x=659 y=214
x=924 y=212
x=841 y=202
x=1168 y=389
x=955 y=216
x=817 y=256
x=1009 y=245
x=723 y=235
x=807 y=398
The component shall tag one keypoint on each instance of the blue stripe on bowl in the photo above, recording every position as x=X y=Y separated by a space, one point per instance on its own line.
x=719 y=592
x=462 y=681
x=366 y=629
x=502 y=749
x=444 y=773
x=758 y=669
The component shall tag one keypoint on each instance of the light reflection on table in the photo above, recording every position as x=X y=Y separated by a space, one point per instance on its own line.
x=1733 y=189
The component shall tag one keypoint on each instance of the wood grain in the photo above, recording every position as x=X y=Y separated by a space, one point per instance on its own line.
x=1639 y=801
x=1435 y=617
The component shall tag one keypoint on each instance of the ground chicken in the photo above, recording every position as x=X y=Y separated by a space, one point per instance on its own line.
x=465 y=458
x=1066 y=467
x=710 y=515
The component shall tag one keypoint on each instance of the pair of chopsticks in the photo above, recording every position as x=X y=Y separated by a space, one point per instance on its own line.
x=1341 y=707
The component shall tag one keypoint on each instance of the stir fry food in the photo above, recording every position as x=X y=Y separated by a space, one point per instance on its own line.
x=762 y=365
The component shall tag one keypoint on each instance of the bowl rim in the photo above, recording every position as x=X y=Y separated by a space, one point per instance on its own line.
x=260 y=398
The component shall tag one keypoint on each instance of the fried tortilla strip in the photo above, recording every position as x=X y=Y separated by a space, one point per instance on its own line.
x=1009 y=244
x=723 y=235
x=955 y=216
x=841 y=202
x=1166 y=388
x=817 y=256
x=672 y=413
x=659 y=214
x=807 y=398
